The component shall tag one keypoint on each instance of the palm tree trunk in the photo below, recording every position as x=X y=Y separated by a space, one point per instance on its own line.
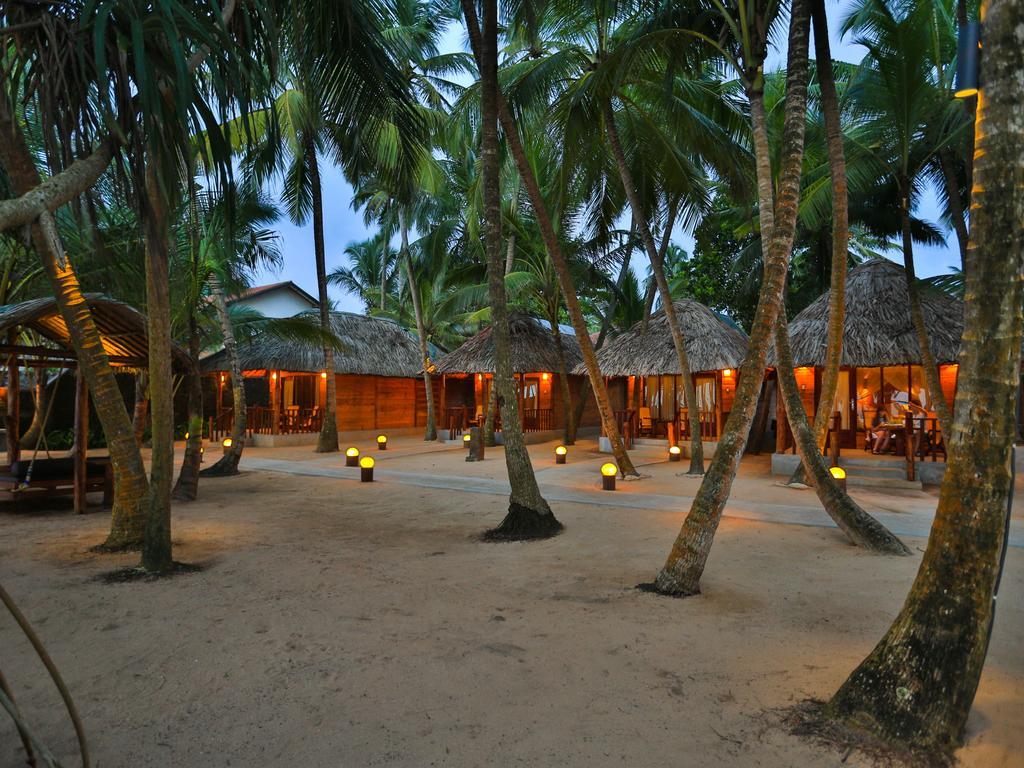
x=861 y=528
x=156 y=546
x=131 y=488
x=492 y=405
x=40 y=397
x=140 y=413
x=327 y=441
x=682 y=571
x=917 y=685
x=559 y=262
x=658 y=268
x=421 y=329
x=928 y=364
x=569 y=431
x=529 y=516
x=228 y=463
x=840 y=233
x=187 y=486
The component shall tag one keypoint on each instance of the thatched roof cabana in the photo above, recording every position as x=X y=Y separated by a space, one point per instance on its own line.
x=122 y=331
x=877 y=327
x=532 y=349
x=374 y=346
x=711 y=345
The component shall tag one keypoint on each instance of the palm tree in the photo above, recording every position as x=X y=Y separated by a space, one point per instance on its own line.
x=529 y=516
x=917 y=686
x=372 y=263
x=910 y=121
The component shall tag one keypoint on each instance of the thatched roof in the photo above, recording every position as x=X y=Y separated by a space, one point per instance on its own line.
x=374 y=346
x=532 y=349
x=122 y=329
x=711 y=344
x=877 y=326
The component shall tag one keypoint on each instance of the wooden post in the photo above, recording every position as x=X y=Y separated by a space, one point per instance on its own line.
x=780 y=421
x=833 y=436
x=275 y=402
x=79 y=450
x=908 y=443
x=14 y=410
x=476 y=444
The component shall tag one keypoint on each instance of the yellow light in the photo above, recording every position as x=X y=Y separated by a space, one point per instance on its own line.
x=186 y=435
x=323 y=375
x=382 y=439
x=352 y=452
x=467 y=437
x=966 y=93
x=561 y=450
x=675 y=450
x=727 y=372
x=222 y=378
x=273 y=376
x=837 y=472
x=366 y=462
x=479 y=377
x=609 y=470
x=227 y=442
x=545 y=376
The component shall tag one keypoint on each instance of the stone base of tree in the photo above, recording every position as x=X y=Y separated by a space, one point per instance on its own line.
x=524 y=524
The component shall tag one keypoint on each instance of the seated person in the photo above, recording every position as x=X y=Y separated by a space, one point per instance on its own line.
x=880 y=434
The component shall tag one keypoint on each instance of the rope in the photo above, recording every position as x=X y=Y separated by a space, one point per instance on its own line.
x=42 y=431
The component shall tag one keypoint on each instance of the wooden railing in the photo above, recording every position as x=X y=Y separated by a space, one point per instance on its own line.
x=260 y=420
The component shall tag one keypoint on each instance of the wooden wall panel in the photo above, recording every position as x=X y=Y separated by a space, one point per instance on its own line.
x=356 y=402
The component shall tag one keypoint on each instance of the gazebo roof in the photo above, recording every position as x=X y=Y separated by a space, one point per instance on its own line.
x=122 y=330
x=373 y=346
x=711 y=344
x=532 y=348
x=877 y=329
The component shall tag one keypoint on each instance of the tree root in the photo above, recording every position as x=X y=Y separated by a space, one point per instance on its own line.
x=810 y=720
x=137 y=573
x=524 y=524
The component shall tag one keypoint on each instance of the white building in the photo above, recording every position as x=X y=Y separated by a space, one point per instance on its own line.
x=283 y=299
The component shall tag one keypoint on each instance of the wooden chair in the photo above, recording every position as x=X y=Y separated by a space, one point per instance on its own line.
x=646 y=423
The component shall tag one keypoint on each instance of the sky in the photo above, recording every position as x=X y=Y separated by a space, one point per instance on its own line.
x=343 y=225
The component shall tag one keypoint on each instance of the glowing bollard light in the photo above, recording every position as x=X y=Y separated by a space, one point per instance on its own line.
x=466 y=439
x=839 y=475
x=675 y=453
x=352 y=457
x=382 y=442
x=560 y=453
x=226 y=444
x=366 y=469
x=608 y=473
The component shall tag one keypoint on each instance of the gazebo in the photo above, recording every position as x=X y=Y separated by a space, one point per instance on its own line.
x=644 y=373
x=378 y=381
x=881 y=360
x=467 y=374
x=125 y=340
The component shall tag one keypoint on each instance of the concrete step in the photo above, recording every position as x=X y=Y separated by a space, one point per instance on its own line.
x=854 y=480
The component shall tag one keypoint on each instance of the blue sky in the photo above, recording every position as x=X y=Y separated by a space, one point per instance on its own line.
x=344 y=225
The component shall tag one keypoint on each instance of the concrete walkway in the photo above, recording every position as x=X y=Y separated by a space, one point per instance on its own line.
x=914 y=522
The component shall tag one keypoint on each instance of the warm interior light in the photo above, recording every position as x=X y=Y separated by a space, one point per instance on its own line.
x=727 y=372
x=227 y=442
x=545 y=376
x=479 y=377
x=837 y=472
x=222 y=378
x=352 y=452
x=561 y=450
x=609 y=470
x=675 y=450
x=323 y=375
x=367 y=462
x=273 y=376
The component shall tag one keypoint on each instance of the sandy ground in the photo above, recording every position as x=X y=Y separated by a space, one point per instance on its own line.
x=342 y=624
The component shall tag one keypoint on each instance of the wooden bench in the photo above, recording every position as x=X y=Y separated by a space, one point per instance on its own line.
x=55 y=477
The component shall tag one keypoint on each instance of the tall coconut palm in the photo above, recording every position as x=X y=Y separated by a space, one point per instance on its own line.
x=371 y=263
x=909 y=121
x=529 y=516
x=917 y=686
